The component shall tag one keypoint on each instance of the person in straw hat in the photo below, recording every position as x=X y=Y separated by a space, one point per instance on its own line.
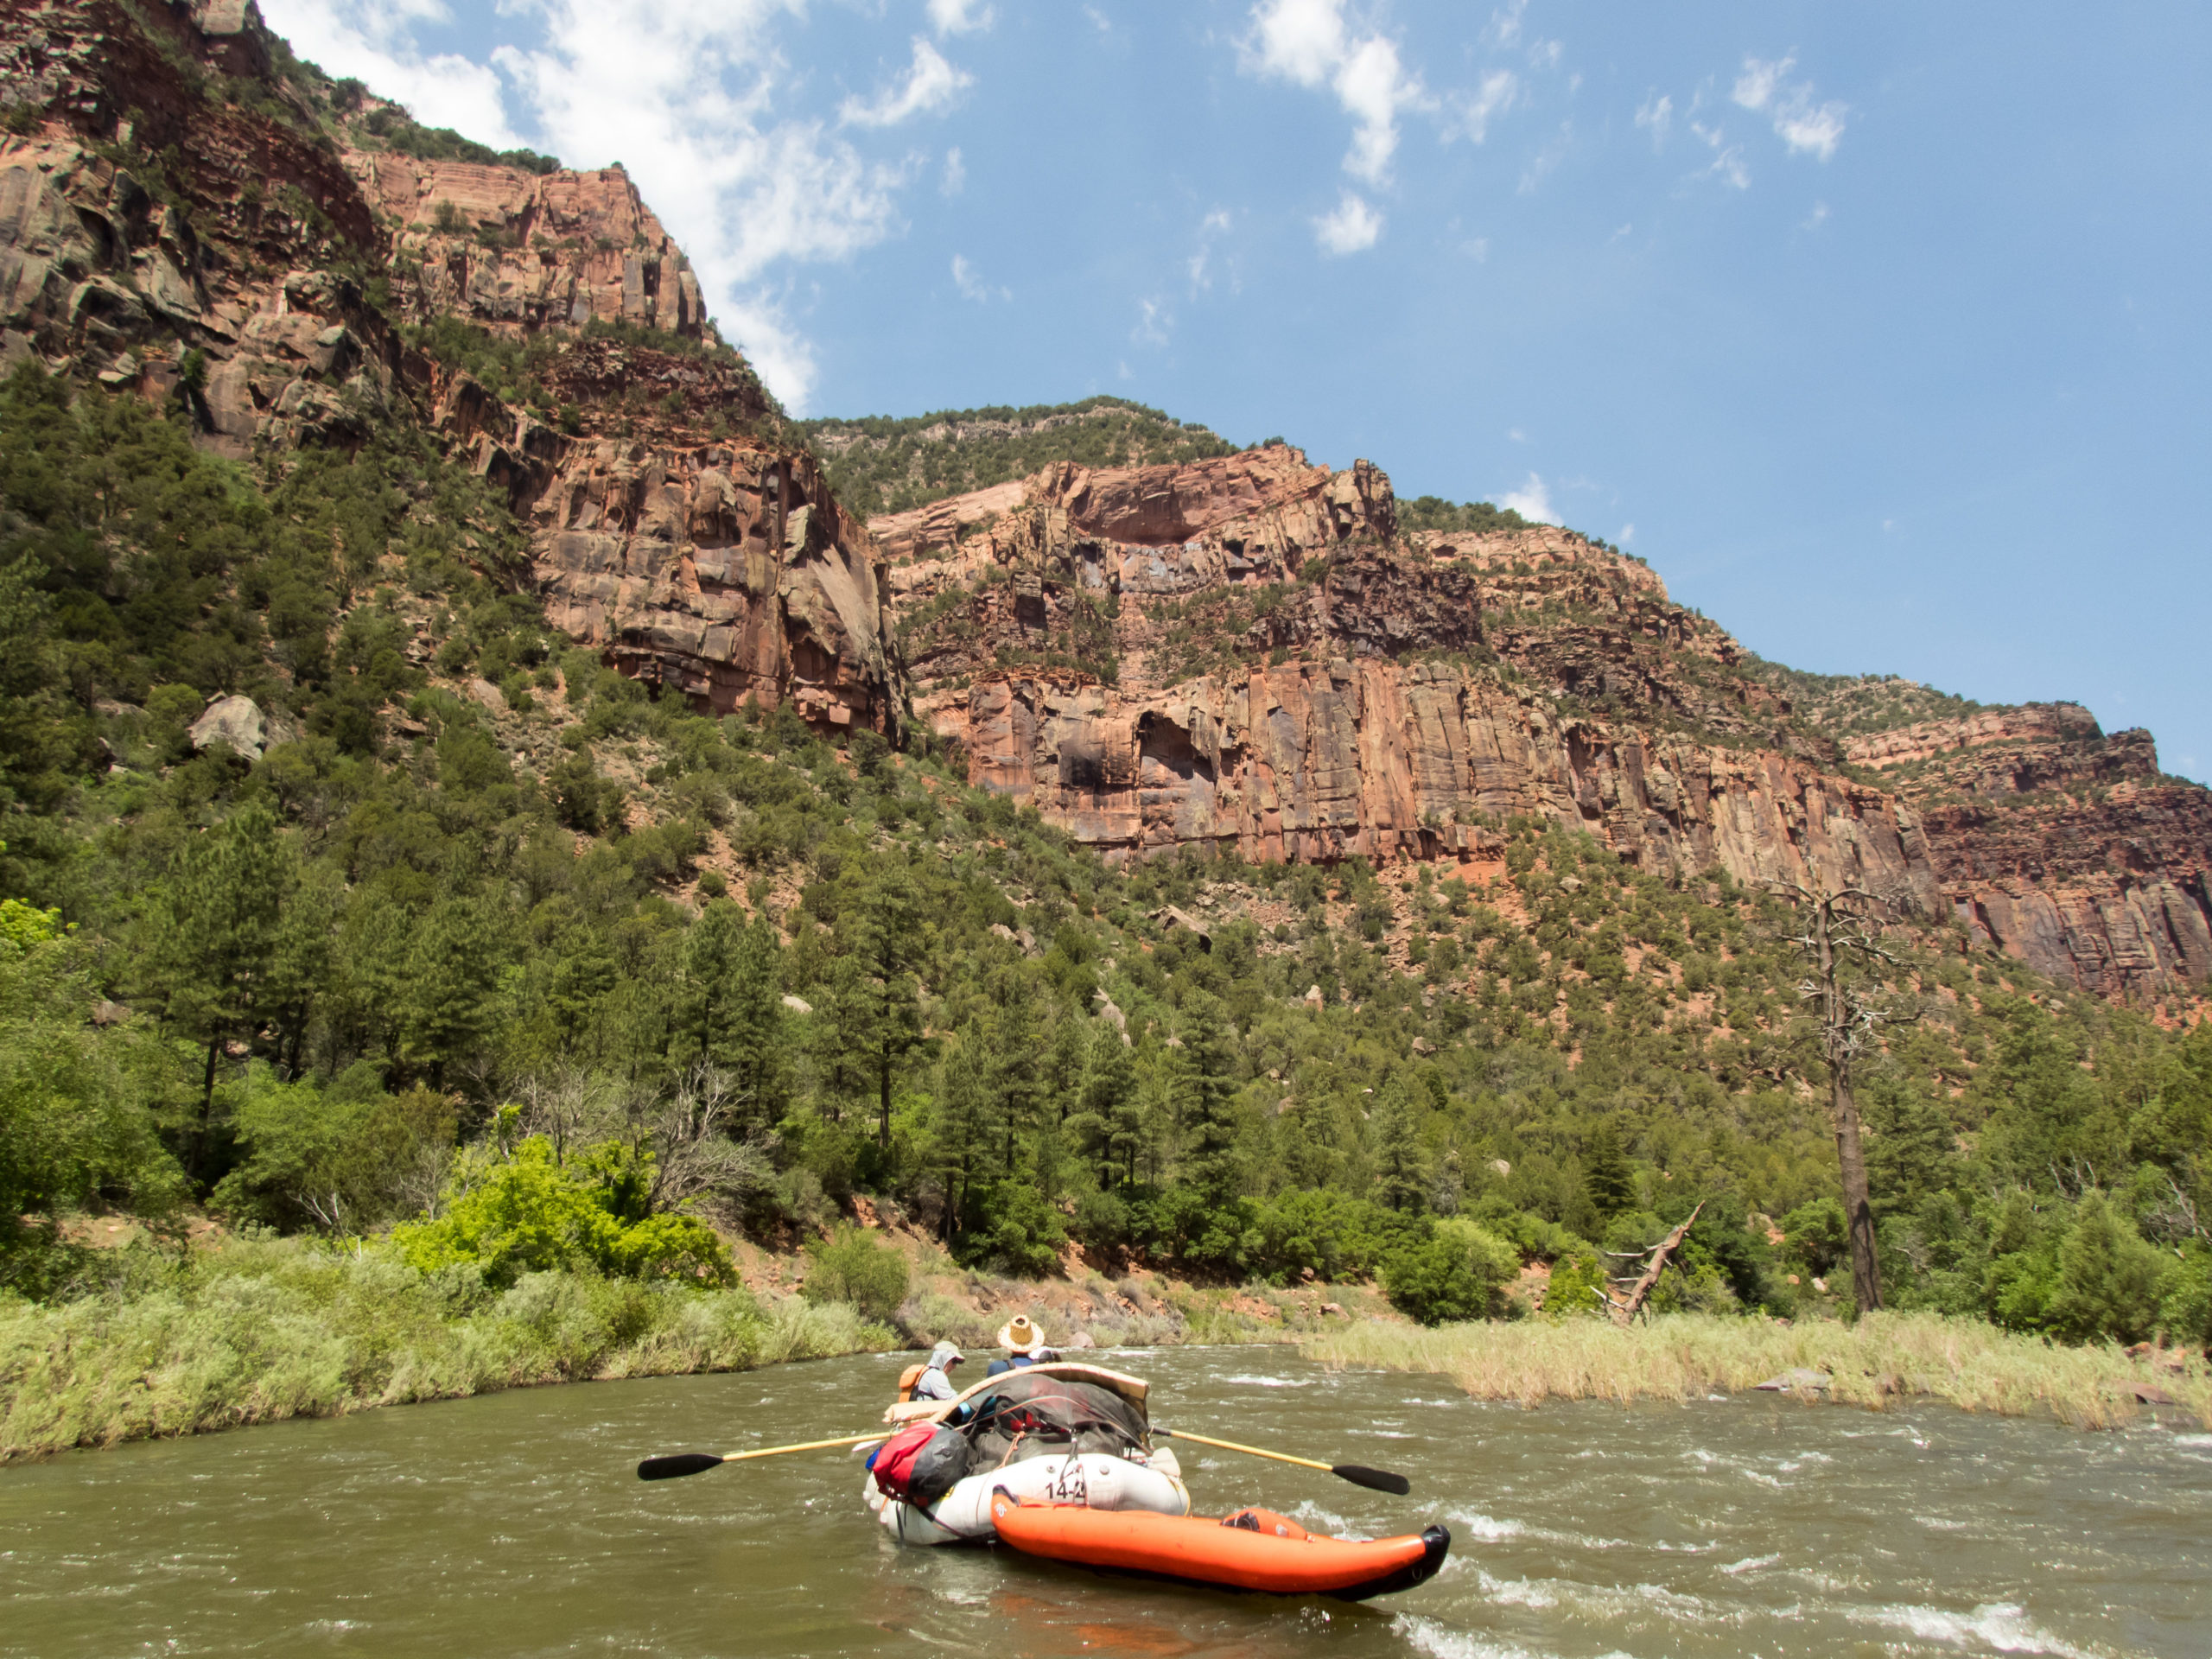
x=1024 y=1344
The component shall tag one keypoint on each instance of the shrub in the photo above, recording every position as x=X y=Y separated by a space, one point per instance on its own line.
x=1577 y=1287
x=853 y=1267
x=531 y=1214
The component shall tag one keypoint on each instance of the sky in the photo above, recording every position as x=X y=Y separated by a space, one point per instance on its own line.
x=1880 y=331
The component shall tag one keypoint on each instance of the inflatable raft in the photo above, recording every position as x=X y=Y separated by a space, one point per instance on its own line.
x=1061 y=1434
x=1253 y=1549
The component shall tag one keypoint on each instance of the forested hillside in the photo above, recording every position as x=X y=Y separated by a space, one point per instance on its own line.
x=350 y=894
x=726 y=970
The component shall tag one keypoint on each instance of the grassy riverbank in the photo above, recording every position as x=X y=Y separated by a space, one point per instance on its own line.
x=1881 y=1359
x=257 y=1332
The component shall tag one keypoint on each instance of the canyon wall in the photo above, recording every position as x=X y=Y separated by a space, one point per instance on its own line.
x=1249 y=653
x=160 y=237
x=2064 y=846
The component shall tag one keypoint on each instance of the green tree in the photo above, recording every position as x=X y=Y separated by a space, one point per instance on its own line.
x=213 y=941
x=873 y=1019
x=2109 y=1278
x=1401 y=1168
x=1607 y=1176
x=1204 y=1088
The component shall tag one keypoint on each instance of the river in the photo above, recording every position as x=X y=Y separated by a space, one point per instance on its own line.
x=511 y=1525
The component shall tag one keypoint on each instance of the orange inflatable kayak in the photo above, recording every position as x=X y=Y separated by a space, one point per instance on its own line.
x=1253 y=1549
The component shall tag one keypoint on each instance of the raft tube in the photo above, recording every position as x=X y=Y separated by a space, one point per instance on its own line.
x=1095 y=1480
x=1250 y=1550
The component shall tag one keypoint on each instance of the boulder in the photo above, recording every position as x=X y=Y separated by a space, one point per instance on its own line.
x=234 y=721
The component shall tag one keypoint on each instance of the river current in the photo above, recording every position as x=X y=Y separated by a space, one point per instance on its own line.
x=512 y=1525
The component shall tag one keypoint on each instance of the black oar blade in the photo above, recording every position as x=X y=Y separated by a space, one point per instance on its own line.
x=681 y=1463
x=1378 y=1480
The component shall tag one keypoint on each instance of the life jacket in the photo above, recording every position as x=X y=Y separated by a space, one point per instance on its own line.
x=908 y=1378
x=920 y=1463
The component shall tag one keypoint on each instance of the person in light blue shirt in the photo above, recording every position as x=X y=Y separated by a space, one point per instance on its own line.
x=935 y=1381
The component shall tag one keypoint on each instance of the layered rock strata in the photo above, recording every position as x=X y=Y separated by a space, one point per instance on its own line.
x=2064 y=846
x=156 y=239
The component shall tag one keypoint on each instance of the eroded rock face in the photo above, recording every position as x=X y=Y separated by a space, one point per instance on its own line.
x=520 y=251
x=1248 y=654
x=1376 y=759
x=664 y=529
x=2064 y=846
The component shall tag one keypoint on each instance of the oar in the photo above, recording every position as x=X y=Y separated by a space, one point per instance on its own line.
x=695 y=1463
x=1379 y=1480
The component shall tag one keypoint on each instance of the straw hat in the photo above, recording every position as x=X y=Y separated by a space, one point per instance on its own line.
x=1019 y=1336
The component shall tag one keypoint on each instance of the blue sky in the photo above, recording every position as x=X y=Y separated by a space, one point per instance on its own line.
x=1879 y=330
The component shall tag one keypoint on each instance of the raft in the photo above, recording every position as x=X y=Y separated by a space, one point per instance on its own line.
x=1090 y=1480
x=1253 y=1549
x=1061 y=1432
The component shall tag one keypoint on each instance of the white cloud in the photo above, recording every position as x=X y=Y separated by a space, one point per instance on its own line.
x=1656 y=116
x=685 y=92
x=931 y=86
x=958 y=17
x=1308 y=43
x=972 y=285
x=956 y=173
x=1471 y=112
x=1200 y=266
x=1505 y=24
x=1727 y=159
x=371 y=40
x=1353 y=228
x=1099 y=20
x=1755 y=88
x=1803 y=124
x=1627 y=535
x=1532 y=501
x=1818 y=217
x=1153 y=321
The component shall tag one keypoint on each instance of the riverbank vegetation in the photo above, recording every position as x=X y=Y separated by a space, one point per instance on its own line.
x=266 y=1329
x=1880 y=1360
x=486 y=960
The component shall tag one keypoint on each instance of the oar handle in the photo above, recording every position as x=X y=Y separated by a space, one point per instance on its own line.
x=698 y=1463
x=1249 y=1451
x=804 y=1445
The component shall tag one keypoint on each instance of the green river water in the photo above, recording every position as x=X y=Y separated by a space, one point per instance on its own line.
x=512 y=1525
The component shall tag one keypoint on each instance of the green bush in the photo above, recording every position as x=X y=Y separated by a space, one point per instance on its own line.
x=852 y=1266
x=1459 y=1273
x=1577 y=1287
x=533 y=1214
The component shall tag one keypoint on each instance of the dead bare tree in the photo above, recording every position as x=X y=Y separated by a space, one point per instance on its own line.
x=689 y=1132
x=1838 y=931
x=1625 y=1304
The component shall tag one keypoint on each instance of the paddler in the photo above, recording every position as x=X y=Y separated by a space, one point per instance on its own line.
x=935 y=1381
x=1024 y=1344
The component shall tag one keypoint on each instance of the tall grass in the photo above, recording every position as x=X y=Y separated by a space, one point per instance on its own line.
x=1881 y=1359
x=259 y=1330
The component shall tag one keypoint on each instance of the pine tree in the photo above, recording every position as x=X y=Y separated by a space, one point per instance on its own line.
x=1400 y=1165
x=449 y=986
x=1204 y=1093
x=213 y=937
x=706 y=968
x=874 y=1016
x=1106 y=1123
x=1607 y=1176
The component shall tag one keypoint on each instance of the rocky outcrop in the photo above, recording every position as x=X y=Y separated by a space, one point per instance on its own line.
x=517 y=252
x=1315 y=762
x=2063 y=845
x=156 y=238
x=1247 y=653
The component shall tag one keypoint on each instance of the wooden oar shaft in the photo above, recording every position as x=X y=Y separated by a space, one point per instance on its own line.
x=804 y=1445
x=1252 y=1451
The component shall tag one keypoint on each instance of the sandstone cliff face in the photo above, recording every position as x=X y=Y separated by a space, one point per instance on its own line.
x=1246 y=653
x=145 y=220
x=2064 y=846
x=1425 y=696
